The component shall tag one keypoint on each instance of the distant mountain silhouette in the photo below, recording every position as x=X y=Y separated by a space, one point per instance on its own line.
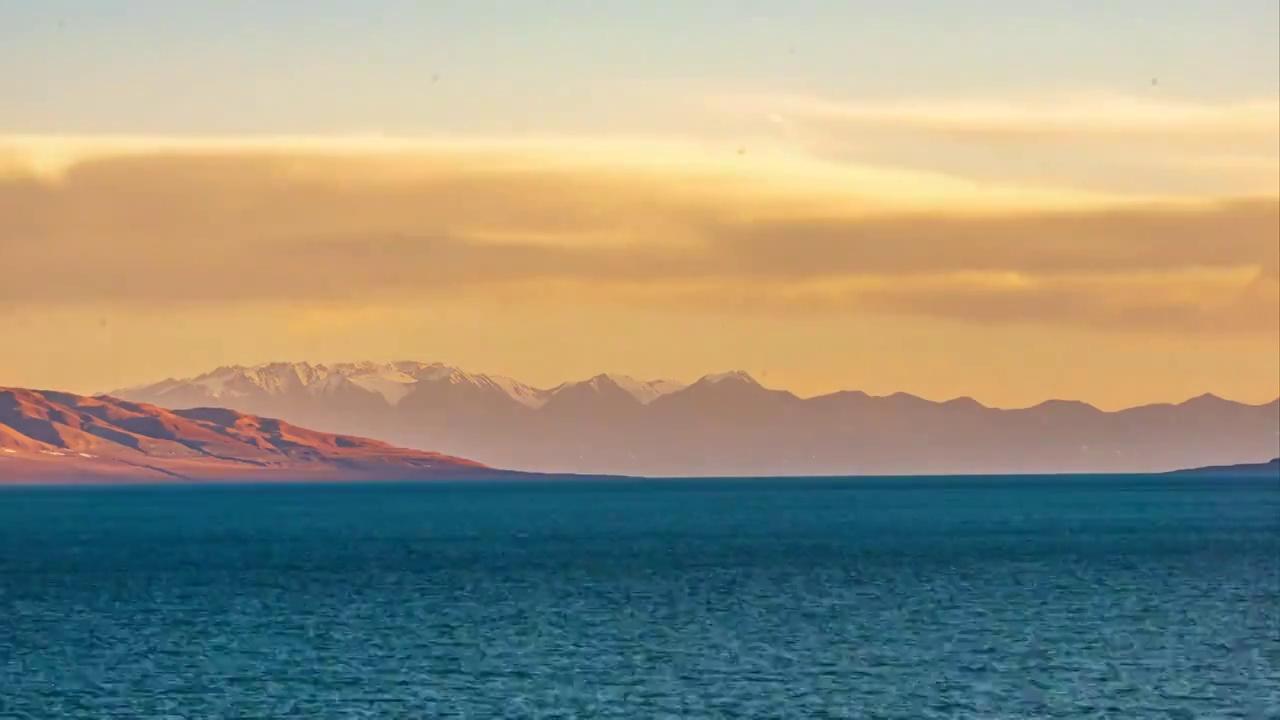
x=725 y=424
x=1265 y=469
x=54 y=436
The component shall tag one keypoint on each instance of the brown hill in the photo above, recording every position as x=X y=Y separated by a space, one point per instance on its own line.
x=50 y=436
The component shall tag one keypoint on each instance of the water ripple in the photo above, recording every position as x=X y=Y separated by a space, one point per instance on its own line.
x=800 y=599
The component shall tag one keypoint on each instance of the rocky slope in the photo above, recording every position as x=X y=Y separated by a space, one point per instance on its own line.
x=50 y=436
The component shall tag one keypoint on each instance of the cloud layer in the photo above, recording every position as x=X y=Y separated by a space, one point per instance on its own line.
x=1250 y=123
x=685 y=225
x=1134 y=144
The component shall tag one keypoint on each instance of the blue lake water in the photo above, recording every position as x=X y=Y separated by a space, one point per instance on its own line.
x=803 y=598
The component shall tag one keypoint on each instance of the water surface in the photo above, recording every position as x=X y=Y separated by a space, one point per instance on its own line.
x=906 y=598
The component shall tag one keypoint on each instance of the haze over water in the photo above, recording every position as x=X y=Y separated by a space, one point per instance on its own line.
x=910 y=598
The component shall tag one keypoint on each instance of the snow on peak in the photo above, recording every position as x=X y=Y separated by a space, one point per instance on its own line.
x=392 y=381
x=514 y=389
x=732 y=375
x=518 y=391
x=646 y=391
x=273 y=378
x=392 y=384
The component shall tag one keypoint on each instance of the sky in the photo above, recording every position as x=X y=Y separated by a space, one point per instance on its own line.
x=1011 y=201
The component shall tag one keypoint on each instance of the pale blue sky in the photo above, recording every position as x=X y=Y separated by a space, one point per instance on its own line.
x=316 y=66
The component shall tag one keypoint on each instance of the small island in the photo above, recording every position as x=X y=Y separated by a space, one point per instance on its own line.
x=1266 y=469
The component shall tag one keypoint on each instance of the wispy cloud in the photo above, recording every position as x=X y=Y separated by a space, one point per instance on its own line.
x=1083 y=140
x=1047 y=118
x=329 y=221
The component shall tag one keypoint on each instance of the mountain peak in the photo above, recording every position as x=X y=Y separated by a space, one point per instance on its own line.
x=1206 y=399
x=1077 y=406
x=604 y=381
x=734 y=376
x=645 y=391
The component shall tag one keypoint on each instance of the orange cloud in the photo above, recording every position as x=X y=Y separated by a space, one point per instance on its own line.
x=378 y=223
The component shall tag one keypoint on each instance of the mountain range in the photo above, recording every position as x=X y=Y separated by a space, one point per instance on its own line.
x=726 y=424
x=59 y=437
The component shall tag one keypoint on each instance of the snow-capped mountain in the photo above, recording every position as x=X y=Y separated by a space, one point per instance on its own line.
x=722 y=424
x=644 y=391
x=392 y=382
x=733 y=376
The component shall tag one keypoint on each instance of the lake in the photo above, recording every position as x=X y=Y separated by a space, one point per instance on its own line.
x=1118 y=597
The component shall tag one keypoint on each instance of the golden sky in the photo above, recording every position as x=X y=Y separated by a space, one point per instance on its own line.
x=1006 y=200
x=1150 y=272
